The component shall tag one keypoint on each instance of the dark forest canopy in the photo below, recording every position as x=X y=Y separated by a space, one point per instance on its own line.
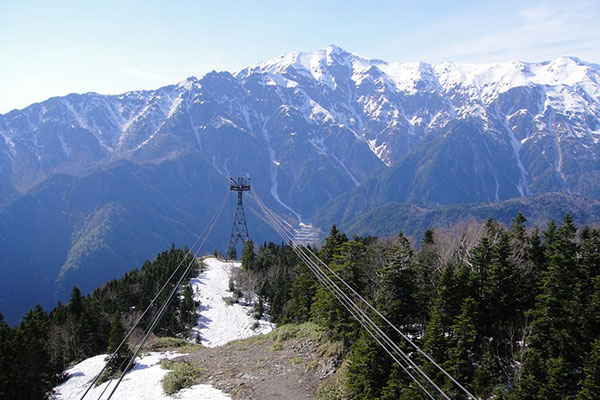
x=510 y=312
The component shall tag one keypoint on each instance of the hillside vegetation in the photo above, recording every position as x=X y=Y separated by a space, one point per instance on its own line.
x=34 y=354
x=511 y=313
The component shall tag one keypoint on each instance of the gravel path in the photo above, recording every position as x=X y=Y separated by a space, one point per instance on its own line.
x=261 y=369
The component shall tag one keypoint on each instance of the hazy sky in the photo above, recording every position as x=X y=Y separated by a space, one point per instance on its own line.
x=51 y=48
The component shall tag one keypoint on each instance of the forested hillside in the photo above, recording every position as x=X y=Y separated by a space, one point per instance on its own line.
x=34 y=354
x=509 y=312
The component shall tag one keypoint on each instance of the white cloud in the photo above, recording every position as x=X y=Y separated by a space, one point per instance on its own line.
x=540 y=32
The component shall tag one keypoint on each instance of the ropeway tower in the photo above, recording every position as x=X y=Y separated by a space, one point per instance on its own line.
x=239 y=231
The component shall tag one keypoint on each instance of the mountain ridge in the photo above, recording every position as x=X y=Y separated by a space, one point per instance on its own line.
x=310 y=128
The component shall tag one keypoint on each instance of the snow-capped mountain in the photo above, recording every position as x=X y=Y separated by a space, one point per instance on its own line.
x=331 y=114
x=308 y=127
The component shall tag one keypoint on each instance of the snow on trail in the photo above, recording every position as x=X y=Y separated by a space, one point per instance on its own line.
x=220 y=323
x=217 y=325
x=143 y=382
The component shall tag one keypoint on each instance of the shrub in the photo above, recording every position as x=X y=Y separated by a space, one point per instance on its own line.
x=182 y=376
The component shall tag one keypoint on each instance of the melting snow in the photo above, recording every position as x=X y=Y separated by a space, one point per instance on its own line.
x=220 y=323
x=143 y=382
x=217 y=325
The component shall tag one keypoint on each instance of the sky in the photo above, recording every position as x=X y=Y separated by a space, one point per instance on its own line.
x=59 y=47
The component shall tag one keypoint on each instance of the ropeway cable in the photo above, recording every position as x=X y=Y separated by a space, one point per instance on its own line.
x=151 y=304
x=149 y=307
x=165 y=304
x=265 y=209
x=369 y=327
x=352 y=308
x=167 y=301
x=427 y=356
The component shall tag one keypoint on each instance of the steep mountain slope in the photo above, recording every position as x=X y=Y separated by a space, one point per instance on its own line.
x=92 y=184
x=328 y=118
x=86 y=230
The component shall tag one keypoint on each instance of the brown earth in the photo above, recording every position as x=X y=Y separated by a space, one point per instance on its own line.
x=264 y=367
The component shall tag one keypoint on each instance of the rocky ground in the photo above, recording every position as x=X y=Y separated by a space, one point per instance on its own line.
x=265 y=367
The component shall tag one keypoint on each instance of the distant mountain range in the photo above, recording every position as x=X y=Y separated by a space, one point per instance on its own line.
x=91 y=185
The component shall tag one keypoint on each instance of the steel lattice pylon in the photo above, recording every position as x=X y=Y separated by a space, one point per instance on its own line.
x=239 y=231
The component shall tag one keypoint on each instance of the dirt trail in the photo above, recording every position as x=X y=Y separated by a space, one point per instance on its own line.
x=260 y=368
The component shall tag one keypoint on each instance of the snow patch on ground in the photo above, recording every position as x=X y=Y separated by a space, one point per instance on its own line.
x=143 y=382
x=220 y=323
x=217 y=325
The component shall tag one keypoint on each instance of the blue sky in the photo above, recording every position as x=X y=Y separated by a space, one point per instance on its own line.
x=59 y=47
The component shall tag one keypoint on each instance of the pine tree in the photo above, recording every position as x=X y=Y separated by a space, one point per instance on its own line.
x=302 y=291
x=332 y=243
x=532 y=271
x=487 y=374
x=553 y=349
x=121 y=354
x=37 y=376
x=8 y=361
x=558 y=381
x=396 y=295
x=590 y=387
x=464 y=338
x=427 y=266
x=188 y=308
x=248 y=255
x=350 y=264
x=589 y=285
x=367 y=372
x=435 y=341
x=76 y=303
x=395 y=387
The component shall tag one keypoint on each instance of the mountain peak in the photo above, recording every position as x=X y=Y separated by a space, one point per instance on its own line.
x=333 y=49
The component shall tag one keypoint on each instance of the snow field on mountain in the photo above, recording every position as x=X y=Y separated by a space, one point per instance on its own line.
x=220 y=323
x=143 y=382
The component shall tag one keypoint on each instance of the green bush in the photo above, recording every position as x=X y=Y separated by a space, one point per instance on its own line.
x=172 y=343
x=162 y=342
x=182 y=376
x=306 y=330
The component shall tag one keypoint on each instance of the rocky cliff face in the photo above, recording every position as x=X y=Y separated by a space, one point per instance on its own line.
x=320 y=123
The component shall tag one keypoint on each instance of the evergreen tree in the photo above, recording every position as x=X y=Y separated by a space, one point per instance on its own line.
x=367 y=368
x=188 y=308
x=332 y=244
x=396 y=387
x=121 y=355
x=462 y=344
x=248 y=255
x=232 y=254
x=558 y=380
x=427 y=266
x=553 y=347
x=588 y=285
x=590 y=387
x=397 y=293
x=37 y=375
x=302 y=291
x=487 y=374
x=350 y=263
x=8 y=361
x=76 y=303
x=435 y=340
